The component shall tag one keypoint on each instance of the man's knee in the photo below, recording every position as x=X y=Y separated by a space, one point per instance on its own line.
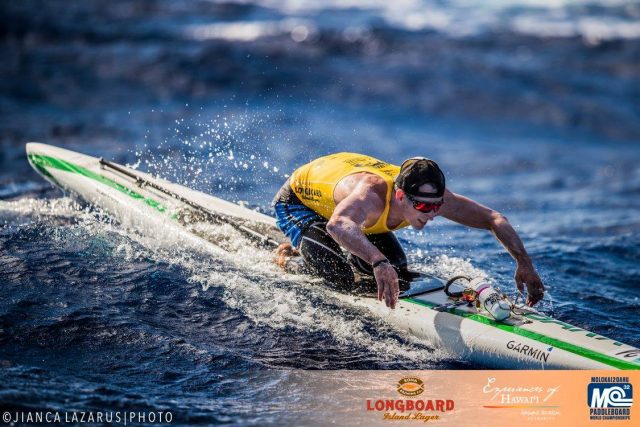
x=365 y=268
x=324 y=256
x=390 y=247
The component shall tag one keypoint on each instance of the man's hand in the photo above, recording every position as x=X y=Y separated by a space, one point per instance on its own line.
x=527 y=275
x=388 y=287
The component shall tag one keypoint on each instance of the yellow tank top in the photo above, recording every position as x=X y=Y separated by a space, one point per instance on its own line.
x=315 y=182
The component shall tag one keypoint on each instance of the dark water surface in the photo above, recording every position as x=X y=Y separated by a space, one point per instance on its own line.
x=532 y=110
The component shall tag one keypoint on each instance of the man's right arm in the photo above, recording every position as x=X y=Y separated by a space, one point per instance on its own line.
x=346 y=225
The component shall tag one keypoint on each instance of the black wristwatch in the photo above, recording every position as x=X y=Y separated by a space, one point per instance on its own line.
x=379 y=263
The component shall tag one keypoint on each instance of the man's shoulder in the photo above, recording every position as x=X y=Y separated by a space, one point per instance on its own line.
x=368 y=180
x=376 y=182
x=369 y=185
x=374 y=186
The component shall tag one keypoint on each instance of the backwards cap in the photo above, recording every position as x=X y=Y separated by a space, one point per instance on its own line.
x=418 y=171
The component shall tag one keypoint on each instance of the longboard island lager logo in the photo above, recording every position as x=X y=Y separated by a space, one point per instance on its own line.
x=410 y=386
x=417 y=408
x=609 y=398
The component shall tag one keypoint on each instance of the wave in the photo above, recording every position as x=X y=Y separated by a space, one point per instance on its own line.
x=144 y=286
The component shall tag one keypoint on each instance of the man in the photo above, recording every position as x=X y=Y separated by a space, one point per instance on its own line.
x=355 y=202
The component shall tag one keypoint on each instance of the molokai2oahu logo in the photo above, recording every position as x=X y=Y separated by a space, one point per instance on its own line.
x=609 y=398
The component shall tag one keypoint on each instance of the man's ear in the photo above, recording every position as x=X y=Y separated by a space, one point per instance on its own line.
x=399 y=194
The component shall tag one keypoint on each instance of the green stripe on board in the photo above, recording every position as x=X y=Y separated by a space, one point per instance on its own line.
x=572 y=348
x=41 y=162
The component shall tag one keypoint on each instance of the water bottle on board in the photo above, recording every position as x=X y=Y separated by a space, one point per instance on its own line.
x=490 y=299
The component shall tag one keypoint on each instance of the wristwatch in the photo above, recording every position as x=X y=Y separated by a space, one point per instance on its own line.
x=379 y=263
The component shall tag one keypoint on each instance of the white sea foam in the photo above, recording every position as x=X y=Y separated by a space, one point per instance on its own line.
x=247 y=31
x=23 y=211
x=561 y=18
x=249 y=280
x=592 y=29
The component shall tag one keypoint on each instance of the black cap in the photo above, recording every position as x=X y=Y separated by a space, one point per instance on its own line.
x=418 y=171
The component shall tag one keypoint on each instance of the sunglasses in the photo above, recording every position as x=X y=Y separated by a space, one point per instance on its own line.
x=425 y=207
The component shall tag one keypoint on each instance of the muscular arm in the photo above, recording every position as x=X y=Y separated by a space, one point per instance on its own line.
x=472 y=214
x=363 y=205
x=349 y=217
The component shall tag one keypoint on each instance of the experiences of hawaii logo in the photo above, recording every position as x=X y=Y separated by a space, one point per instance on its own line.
x=609 y=398
x=412 y=408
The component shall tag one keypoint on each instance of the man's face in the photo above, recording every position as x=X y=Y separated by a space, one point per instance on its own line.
x=413 y=216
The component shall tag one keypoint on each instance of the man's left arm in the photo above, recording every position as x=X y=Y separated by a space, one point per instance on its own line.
x=472 y=214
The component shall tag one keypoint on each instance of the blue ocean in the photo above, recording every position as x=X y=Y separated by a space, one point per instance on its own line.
x=531 y=107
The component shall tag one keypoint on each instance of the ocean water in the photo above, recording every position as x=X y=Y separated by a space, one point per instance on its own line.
x=530 y=108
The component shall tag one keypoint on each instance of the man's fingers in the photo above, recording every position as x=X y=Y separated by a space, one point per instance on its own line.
x=388 y=287
x=393 y=290
x=396 y=292
x=533 y=299
x=534 y=293
x=390 y=296
x=387 y=297
x=530 y=300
